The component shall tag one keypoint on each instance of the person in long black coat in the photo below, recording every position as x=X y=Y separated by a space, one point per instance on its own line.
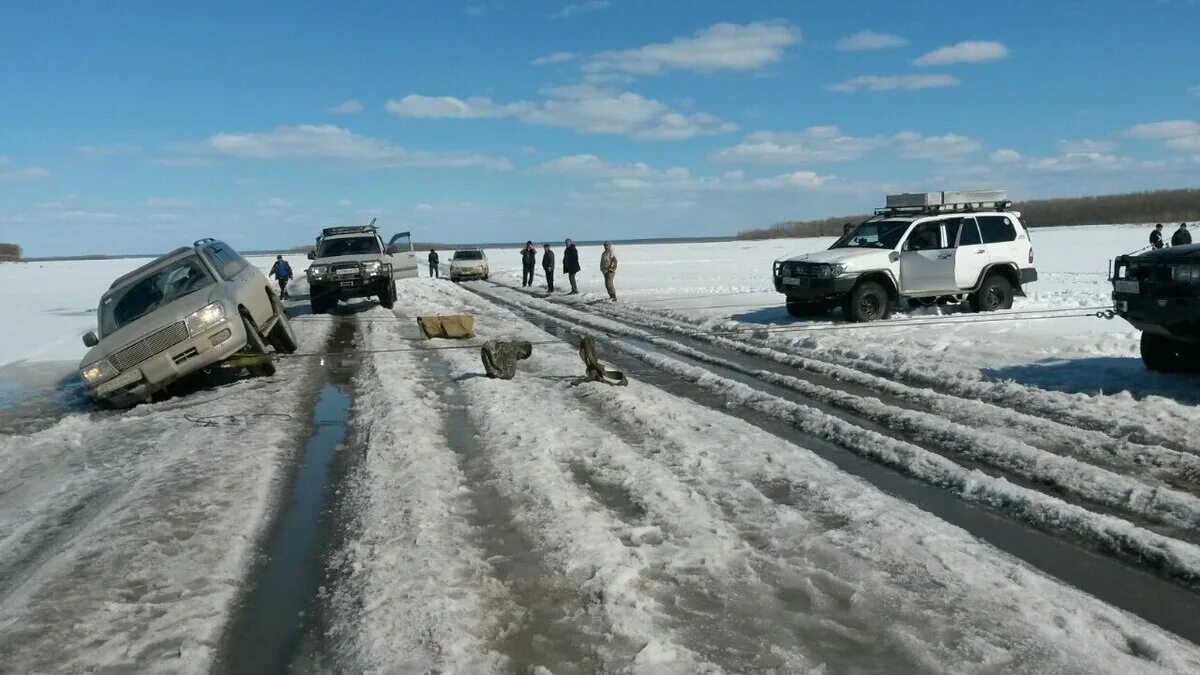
x=1156 y=236
x=528 y=260
x=571 y=264
x=548 y=267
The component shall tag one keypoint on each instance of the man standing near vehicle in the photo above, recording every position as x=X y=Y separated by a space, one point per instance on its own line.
x=571 y=264
x=1156 y=236
x=433 y=263
x=548 y=267
x=528 y=260
x=608 y=267
x=282 y=272
x=1181 y=237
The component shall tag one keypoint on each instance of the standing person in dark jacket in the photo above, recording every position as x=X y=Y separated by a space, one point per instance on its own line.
x=1181 y=237
x=433 y=263
x=282 y=272
x=1156 y=236
x=571 y=264
x=548 y=267
x=528 y=260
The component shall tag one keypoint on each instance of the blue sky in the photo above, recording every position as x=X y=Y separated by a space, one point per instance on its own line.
x=135 y=126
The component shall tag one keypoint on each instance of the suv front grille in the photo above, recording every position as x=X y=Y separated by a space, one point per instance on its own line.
x=149 y=346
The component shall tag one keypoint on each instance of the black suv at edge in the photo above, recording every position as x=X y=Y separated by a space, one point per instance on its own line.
x=1159 y=293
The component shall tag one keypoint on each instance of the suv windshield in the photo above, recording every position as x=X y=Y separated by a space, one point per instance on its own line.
x=875 y=234
x=468 y=255
x=348 y=246
x=158 y=289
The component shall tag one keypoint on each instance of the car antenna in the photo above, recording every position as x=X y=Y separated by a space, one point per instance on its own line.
x=372 y=223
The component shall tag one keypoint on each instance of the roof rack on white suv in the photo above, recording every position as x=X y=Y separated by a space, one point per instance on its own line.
x=929 y=203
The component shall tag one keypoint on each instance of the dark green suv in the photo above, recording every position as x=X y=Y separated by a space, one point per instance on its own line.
x=1159 y=293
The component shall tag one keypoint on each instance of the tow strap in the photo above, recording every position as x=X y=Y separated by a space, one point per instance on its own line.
x=596 y=372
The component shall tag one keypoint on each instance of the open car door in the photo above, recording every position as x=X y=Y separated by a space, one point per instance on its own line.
x=404 y=259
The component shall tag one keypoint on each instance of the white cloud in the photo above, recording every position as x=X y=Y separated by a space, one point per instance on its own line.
x=344 y=203
x=52 y=206
x=277 y=203
x=328 y=142
x=1185 y=143
x=641 y=178
x=870 y=40
x=893 y=82
x=423 y=207
x=722 y=46
x=87 y=215
x=947 y=147
x=819 y=144
x=349 y=107
x=9 y=172
x=591 y=165
x=450 y=107
x=583 y=107
x=182 y=162
x=973 y=51
x=168 y=203
x=577 y=8
x=165 y=217
x=556 y=57
x=528 y=150
x=1081 y=161
x=1166 y=129
x=1194 y=91
x=1084 y=145
x=1005 y=156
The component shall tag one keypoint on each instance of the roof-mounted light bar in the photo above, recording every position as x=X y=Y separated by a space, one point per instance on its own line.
x=349 y=229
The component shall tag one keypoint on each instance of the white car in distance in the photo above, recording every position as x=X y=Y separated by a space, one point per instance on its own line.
x=469 y=263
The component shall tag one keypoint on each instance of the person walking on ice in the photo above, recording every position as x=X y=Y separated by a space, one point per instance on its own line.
x=571 y=264
x=433 y=263
x=282 y=272
x=608 y=267
x=548 y=267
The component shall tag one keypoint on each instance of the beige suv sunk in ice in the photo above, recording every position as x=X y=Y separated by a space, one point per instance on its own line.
x=189 y=310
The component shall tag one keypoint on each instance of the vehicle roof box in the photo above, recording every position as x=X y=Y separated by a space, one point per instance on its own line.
x=914 y=199
x=947 y=198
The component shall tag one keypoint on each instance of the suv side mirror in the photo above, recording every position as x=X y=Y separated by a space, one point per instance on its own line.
x=90 y=339
x=312 y=255
x=893 y=256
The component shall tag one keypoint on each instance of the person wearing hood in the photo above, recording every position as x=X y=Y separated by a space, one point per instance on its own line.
x=1156 y=236
x=571 y=264
x=433 y=263
x=528 y=260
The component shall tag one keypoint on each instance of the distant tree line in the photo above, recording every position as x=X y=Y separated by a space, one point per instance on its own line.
x=1159 y=206
x=10 y=253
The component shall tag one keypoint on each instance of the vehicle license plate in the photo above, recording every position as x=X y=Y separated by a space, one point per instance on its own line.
x=1126 y=286
x=347 y=283
x=792 y=281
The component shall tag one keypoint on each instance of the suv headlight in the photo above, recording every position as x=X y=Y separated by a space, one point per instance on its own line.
x=319 y=270
x=98 y=372
x=839 y=269
x=205 y=318
x=372 y=267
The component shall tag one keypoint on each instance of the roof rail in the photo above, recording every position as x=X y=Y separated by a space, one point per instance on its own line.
x=349 y=229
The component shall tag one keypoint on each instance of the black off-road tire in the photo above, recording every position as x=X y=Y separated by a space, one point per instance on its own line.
x=1162 y=354
x=995 y=293
x=256 y=345
x=801 y=309
x=281 y=337
x=387 y=294
x=869 y=301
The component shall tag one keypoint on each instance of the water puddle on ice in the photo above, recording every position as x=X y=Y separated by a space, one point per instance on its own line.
x=33 y=395
x=266 y=634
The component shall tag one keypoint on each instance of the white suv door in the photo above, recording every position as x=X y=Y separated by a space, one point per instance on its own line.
x=404 y=258
x=927 y=259
x=972 y=255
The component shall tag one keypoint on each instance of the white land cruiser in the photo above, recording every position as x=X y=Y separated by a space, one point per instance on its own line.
x=353 y=262
x=922 y=248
